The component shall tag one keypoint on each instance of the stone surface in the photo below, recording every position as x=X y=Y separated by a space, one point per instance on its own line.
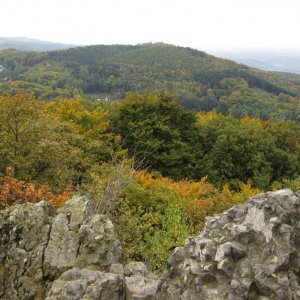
x=116 y=269
x=77 y=284
x=251 y=251
x=24 y=235
x=38 y=244
x=135 y=268
x=140 y=288
x=77 y=239
x=139 y=283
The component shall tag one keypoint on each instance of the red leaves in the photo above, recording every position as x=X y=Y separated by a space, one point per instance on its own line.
x=14 y=191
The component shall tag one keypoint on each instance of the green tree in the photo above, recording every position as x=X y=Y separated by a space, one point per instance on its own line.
x=158 y=132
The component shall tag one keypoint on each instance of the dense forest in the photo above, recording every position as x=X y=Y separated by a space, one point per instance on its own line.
x=156 y=167
x=198 y=80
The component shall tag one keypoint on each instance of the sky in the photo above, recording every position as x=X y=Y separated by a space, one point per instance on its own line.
x=200 y=24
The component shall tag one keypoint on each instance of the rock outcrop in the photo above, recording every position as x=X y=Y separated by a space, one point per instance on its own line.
x=251 y=251
x=38 y=244
x=24 y=236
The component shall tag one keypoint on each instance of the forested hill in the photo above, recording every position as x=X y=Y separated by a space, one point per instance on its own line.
x=198 y=80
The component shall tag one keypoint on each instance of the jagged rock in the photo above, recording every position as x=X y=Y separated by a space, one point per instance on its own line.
x=77 y=284
x=98 y=243
x=79 y=240
x=24 y=234
x=135 y=268
x=38 y=244
x=139 y=283
x=251 y=251
x=62 y=249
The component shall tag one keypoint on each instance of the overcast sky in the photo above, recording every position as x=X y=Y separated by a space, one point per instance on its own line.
x=201 y=24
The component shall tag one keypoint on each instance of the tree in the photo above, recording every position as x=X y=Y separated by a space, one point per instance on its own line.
x=158 y=132
x=35 y=145
x=21 y=128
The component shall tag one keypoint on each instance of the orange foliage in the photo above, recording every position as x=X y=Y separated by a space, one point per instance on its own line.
x=14 y=191
x=197 y=199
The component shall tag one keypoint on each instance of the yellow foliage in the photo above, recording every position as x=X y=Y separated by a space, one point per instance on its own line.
x=252 y=121
x=72 y=111
x=159 y=213
x=197 y=199
x=245 y=191
x=204 y=118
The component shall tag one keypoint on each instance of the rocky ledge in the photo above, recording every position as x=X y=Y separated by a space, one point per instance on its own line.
x=251 y=251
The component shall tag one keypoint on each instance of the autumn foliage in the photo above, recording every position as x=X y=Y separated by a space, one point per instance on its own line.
x=196 y=199
x=14 y=191
x=160 y=213
x=156 y=168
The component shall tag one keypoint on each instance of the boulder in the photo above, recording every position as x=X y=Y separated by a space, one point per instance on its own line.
x=135 y=268
x=139 y=283
x=77 y=239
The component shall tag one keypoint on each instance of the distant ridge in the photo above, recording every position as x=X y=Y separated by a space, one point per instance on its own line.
x=198 y=80
x=269 y=60
x=28 y=44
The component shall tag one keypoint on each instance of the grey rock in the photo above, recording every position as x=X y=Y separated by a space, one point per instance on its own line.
x=226 y=265
x=24 y=234
x=62 y=249
x=135 y=268
x=116 y=269
x=79 y=240
x=140 y=288
x=251 y=251
x=77 y=284
x=98 y=243
x=38 y=244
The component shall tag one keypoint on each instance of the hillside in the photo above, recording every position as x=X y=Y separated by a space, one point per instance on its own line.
x=198 y=80
x=27 y=44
